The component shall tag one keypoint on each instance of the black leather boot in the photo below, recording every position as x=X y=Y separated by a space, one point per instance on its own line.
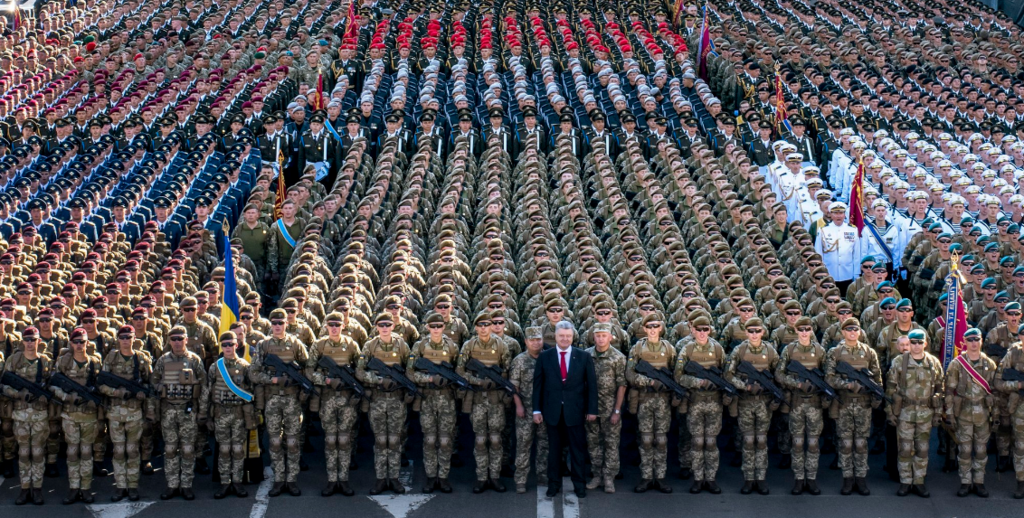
x=73 y=496
x=748 y=487
x=239 y=490
x=344 y=488
x=444 y=485
x=276 y=489
x=643 y=486
x=847 y=488
x=862 y=486
x=23 y=497
x=903 y=490
x=379 y=486
x=798 y=487
x=222 y=493
x=812 y=487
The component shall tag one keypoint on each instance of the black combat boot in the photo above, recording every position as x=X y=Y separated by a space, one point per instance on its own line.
x=187 y=494
x=239 y=490
x=133 y=494
x=444 y=485
x=643 y=486
x=119 y=494
x=379 y=486
x=748 y=487
x=847 y=488
x=798 y=487
x=965 y=489
x=762 y=487
x=979 y=489
x=713 y=487
x=278 y=488
x=1019 y=493
x=23 y=497
x=921 y=490
x=223 y=492
x=345 y=489
x=812 y=487
x=696 y=487
x=862 y=486
x=171 y=492
x=73 y=496
x=293 y=489
x=903 y=490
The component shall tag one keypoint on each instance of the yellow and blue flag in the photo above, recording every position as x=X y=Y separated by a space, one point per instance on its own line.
x=229 y=306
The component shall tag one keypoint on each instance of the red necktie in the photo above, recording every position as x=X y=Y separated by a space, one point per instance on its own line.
x=565 y=371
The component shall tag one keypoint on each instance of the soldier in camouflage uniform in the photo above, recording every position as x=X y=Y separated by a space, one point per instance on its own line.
x=755 y=405
x=1014 y=359
x=915 y=387
x=853 y=424
x=30 y=415
x=604 y=433
x=125 y=414
x=704 y=416
x=521 y=375
x=79 y=417
x=437 y=411
x=388 y=407
x=282 y=410
x=233 y=415
x=805 y=417
x=178 y=379
x=969 y=400
x=488 y=414
x=654 y=405
x=338 y=403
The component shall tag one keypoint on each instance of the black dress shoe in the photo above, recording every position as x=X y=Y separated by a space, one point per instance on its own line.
x=133 y=494
x=51 y=471
x=787 y=462
x=87 y=496
x=121 y=494
x=696 y=487
x=979 y=489
x=551 y=492
x=812 y=487
x=580 y=492
x=497 y=486
x=168 y=493
x=277 y=489
x=481 y=486
x=202 y=467
x=798 y=487
x=643 y=486
x=379 y=486
x=920 y=490
x=73 y=496
x=762 y=487
x=713 y=487
x=748 y=487
x=903 y=490
x=329 y=489
x=965 y=489
x=444 y=485
x=187 y=494
x=222 y=493
x=37 y=496
x=293 y=489
x=345 y=489
x=430 y=485
x=23 y=497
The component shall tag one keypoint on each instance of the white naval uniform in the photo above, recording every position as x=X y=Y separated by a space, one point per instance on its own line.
x=837 y=245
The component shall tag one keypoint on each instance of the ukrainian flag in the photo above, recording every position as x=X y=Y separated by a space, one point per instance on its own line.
x=230 y=307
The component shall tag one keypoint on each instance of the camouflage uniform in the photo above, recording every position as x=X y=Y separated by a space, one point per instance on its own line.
x=805 y=412
x=79 y=419
x=437 y=410
x=1014 y=359
x=853 y=425
x=654 y=412
x=125 y=416
x=704 y=417
x=282 y=411
x=232 y=417
x=338 y=405
x=971 y=406
x=388 y=407
x=915 y=386
x=602 y=435
x=179 y=380
x=521 y=375
x=488 y=415
x=755 y=409
x=31 y=426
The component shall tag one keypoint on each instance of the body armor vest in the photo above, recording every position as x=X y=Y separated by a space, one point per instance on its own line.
x=222 y=395
x=858 y=358
x=488 y=356
x=436 y=356
x=810 y=357
x=390 y=358
x=760 y=360
x=179 y=380
x=657 y=359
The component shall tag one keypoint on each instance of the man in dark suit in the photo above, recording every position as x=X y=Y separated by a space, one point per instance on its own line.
x=564 y=395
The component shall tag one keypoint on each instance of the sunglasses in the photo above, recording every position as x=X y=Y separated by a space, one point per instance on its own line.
x=972 y=339
x=277 y=322
x=246 y=317
x=334 y=324
x=45 y=320
x=905 y=310
x=746 y=310
x=559 y=310
x=443 y=306
x=385 y=324
x=188 y=310
x=792 y=313
x=124 y=337
x=851 y=329
x=917 y=341
x=88 y=321
x=653 y=326
x=804 y=329
x=177 y=339
x=78 y=342
x=755 y=330
x=702 y=329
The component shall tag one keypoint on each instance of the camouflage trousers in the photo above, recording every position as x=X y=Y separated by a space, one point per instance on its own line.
x=283 y=415
x=853 y=428
x=147 y=442
x=526 y=433
x=7 y=438
x=1017 y=425
x=178 y=425
x=805 y=426
x=1004 y=430
x=972 y=436
x=912 y=439
x=654 y=415
x=125 y=436
x=704 y=421
x=338 y=416
x=437 y=419
x=488 y=418
x=685 y=441
x=387 y=420
x=603 y=439
x=79 y=437
x=754 y=419
x=54 y=438
x=31 y=435
x=232 y=439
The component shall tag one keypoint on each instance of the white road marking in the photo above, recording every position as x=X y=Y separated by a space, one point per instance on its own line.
x=118 y=510
x=259 y=509
x=400 y=506
x=570 y=502
x=545 y=505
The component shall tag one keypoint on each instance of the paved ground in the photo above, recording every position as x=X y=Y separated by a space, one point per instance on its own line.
x=463 y=503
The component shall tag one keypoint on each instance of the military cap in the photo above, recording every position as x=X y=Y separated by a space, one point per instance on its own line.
x=850 y=322
x=888 y=301
x=534 y=333
x=188 y=302
x=904 y=303
x=754 y=322
x=972 y=332
x=1012 y=305
x=1002 y=295
x=700 y=321
x=278 y=314
x=178 y=330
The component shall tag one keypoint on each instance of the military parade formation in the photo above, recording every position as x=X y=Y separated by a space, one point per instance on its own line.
x=227 y=227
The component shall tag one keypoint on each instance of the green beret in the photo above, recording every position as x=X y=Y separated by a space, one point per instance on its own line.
x=956 y=247
x=1002 y=295
x=1006 y=259
x=916 y=334
x=988 y=283
x=887 y=301
x=1012 y=305
x=904 y=303
x=867 y=259
x=991 y=246
x=974 y=331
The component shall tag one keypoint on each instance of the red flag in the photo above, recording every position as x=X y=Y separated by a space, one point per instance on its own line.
x=318 y=103
x=956 y=314
x=704 y=47
x=350 y=20
x=279 y=197
x=857 y=199
x=781 y=117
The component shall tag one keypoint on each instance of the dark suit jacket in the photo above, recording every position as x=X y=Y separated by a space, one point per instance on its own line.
x=572 y=400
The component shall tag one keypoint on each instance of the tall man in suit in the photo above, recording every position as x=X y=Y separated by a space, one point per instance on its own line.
x=564 y=395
